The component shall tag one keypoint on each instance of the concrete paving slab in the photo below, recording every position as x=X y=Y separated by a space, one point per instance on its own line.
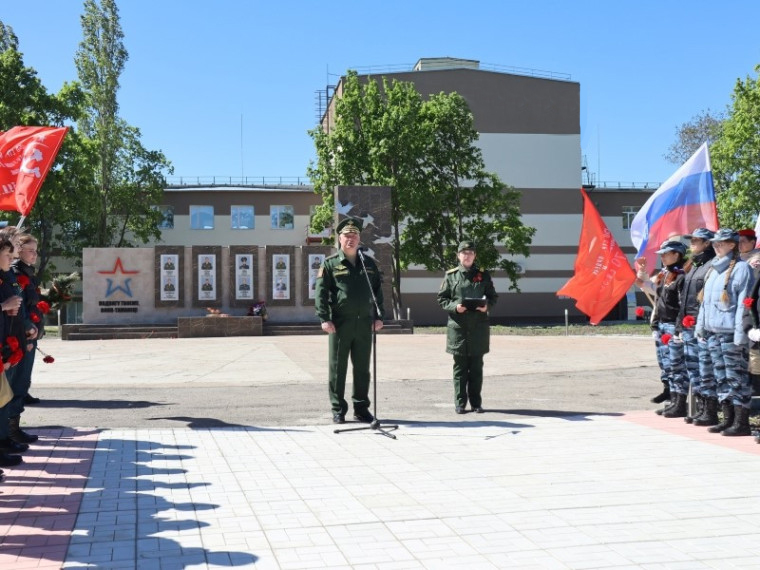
x=518 y=487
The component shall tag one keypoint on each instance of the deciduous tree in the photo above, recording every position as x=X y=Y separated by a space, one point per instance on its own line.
x=704 y=127
x=129 y=178
x=736 y=157
x=460 y=199
x=427 y=152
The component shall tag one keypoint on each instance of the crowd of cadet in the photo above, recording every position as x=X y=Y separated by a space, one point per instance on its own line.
x=20 y=327
x=706 y=328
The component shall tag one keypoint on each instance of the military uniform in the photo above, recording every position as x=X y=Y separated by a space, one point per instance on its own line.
x=343 y=297
x=468 y=333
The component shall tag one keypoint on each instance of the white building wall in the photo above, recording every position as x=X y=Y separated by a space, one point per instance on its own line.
x=533 y=160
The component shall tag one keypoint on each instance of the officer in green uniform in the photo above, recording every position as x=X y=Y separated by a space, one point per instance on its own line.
x=467 y=330
x=344 y=306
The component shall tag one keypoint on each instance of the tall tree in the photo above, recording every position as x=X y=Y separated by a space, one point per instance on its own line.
x=704 y=127
x=376 y=139
x=426 y=151
x=460 y=199
x=736 y=157
x=129 y=178
x=25 y=101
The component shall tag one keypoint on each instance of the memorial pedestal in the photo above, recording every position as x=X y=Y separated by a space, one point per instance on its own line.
x=194 y=327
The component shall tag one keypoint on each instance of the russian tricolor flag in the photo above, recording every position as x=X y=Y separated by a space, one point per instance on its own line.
x=684 y=202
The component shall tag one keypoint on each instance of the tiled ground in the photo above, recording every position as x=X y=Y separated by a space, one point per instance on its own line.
x=634 y=491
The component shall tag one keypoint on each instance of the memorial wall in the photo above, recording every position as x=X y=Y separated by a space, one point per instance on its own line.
x=157 y=285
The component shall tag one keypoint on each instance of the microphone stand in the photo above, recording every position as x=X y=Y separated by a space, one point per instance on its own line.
x=375 y=425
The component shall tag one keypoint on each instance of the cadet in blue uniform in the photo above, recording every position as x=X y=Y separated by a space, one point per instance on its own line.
x=467 y=330
x=344 y=306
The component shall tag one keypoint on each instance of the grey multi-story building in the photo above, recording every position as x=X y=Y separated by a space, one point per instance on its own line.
x=529 y=133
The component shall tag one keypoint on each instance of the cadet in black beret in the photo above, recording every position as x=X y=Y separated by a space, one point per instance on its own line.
x=466 y=293
x=344 y=306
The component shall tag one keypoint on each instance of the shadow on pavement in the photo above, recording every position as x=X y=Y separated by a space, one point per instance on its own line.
x=106 y=508
x=98 y=404
x=206 y=423
x=562 y=414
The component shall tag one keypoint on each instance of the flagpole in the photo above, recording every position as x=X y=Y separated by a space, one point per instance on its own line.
x=20 y=223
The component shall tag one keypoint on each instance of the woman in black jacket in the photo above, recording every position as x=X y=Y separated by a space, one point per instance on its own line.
x=667 y=286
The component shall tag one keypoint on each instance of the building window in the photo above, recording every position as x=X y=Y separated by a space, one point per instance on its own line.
x=167 y=220
x=629 y=212
x=282 y=217
x=201 y=217
x=241 y=217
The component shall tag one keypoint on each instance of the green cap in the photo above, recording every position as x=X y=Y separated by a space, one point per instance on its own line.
x=350 y=226
x=466 y=244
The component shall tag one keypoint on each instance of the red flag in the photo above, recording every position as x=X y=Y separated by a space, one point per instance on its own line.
x=602 y=273
x=26 y=155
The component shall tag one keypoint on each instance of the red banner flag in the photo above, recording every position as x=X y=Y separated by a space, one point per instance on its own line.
x=602 y=272
x=26 y=155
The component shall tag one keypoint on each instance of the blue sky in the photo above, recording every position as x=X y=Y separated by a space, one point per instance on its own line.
x=227 y=88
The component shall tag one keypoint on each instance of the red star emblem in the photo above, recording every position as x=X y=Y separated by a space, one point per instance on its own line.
x=120 y=267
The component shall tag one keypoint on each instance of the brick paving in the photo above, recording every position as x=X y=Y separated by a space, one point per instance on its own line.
x=617 y=491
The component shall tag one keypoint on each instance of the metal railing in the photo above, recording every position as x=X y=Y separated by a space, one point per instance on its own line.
x=175 y=181
x=404 y=67
x=607 y=185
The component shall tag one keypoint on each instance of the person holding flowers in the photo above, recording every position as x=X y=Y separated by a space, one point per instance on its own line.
x=20 y=376
x=721 y=331
x=11 y=351
x=702 y=382
x=667 y=286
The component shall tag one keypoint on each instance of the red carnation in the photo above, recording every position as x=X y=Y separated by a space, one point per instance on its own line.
x=16 y=354
x=665 y=339
x=47 y=358
x=44 y=307
x=689 y=321
x=23 y=280
x=748 y=302
x=640 y=312
x=478 y=277
x=35 y=318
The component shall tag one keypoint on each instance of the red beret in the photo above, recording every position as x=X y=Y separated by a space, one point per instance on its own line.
x=748 y=233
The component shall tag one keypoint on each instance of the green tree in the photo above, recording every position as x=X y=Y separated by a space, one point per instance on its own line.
x=426 y=151
x=129 y=179
x=25 y=101
x=376 y=139
x=736 y=157
x=704 y=127
x=460 y=200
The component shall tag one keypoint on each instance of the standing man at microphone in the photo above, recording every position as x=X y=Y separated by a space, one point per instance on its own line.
x=345 y=308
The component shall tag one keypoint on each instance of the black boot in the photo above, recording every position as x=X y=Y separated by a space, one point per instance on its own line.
x=17 y=434
x=728 y=417
x=679 y=409
x=30 y=400
x=699 y=404
x=662 y=396
x=741 y=422
x=9 y=460
x=709 y=416
x=7 y=445
x=669 y=406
